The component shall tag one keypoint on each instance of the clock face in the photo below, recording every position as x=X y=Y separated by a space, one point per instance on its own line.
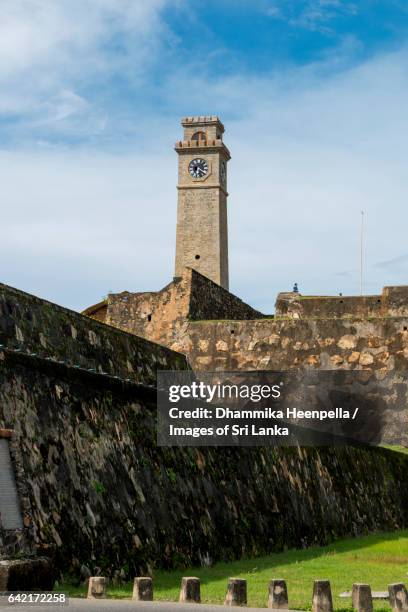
x=198 y=167
x=223 y=171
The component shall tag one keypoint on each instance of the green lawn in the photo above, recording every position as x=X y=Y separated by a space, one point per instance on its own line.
x=376 y=559
x=398 y=449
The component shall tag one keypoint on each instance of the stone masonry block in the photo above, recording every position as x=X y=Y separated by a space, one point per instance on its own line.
x=236 y=592
x=143 y=589
x=190 y=590
x=278 y=595
x=322 y=596
x=398 y=597
x=97 y=587
x=361 y=598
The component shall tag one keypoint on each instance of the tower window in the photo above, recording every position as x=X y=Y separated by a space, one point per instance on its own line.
x=199 y=136
x=197 y=257
x=149 y=317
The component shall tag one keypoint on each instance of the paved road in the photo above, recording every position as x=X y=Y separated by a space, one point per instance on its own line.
x=112 y=605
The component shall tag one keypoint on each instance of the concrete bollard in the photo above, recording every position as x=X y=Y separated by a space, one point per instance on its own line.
x=361 y=598
x=143 y=589
x=190 y=590
x=236 y=592
x=398 y=597
x=322 y=597
x=278 y=595
x=96 y=587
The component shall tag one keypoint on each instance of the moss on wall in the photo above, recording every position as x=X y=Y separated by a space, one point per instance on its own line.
x=37 y=326
x=102 y=493
x=98 y=489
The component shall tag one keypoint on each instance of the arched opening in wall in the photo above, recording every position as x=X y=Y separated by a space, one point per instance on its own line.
x=149 y=317
x=197 y=257
x=199 y=136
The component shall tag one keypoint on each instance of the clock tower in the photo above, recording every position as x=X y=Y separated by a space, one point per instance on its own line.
x=202 y=236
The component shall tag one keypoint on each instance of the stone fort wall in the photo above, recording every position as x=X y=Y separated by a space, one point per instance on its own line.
x=379 y=344
x=99 y=491
x=392 y=302
x=163 y=316
x=33 y=325
x=217 y=331
x=35 y=334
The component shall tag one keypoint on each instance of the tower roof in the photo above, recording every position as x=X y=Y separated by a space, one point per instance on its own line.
x=201 y=121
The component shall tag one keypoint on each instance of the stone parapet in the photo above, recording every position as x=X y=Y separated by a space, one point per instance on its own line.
x=393 y=301
x=201 y=120
x=163 y=316
x=32 y=325
x=198 y=146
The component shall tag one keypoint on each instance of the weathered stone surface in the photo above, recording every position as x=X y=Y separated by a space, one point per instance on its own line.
x=347 y=342
x=309 y=344
x=366 y=359
x=216 y=330
x=278 y=595
x=190 y=590
x=221 y=345
x=121 y=490
x=322 y=597
x=395 y=299
x=252 y=341
x=97 y=587
x=236 y=592
x=26 y=574
x=398 y=597
x=93 y=481
x=163 y=316
x=94 y=345
x=392 y=302
x=361 y=597
x=143 y=588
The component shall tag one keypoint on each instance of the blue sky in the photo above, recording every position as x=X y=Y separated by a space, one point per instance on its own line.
x=261 y=34
x=313 y=95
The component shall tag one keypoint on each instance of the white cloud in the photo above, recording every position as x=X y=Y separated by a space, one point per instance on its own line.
x=40 y=33
x=51 y=50
x=314 y=15
x=318 y=14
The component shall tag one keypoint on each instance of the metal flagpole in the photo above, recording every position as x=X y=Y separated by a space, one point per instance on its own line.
x=361 y=252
